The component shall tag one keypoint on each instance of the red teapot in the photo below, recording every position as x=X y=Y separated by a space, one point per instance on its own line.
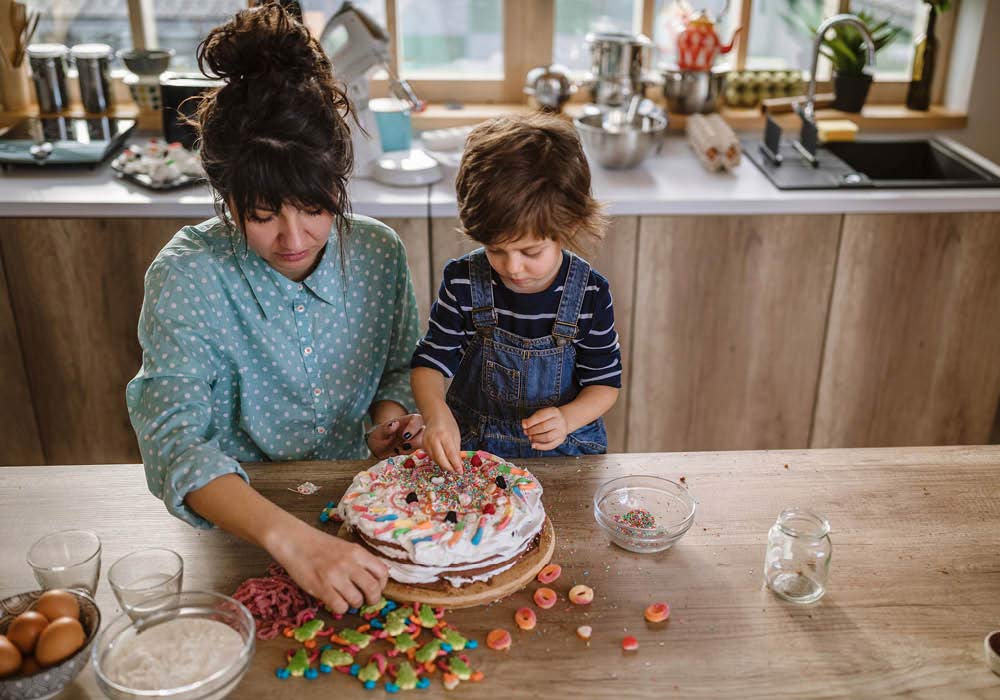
x=698 y=44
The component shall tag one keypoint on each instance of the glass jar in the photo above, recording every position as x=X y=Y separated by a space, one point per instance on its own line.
x=797 y=562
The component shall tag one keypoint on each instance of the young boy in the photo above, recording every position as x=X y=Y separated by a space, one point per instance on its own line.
x=525 y=328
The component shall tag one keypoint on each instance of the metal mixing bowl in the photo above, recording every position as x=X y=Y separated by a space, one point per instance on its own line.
x=693 y=91
x=617 y=144
x=146 y=61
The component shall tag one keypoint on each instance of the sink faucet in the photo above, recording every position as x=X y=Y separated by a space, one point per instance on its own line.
x=807 y=111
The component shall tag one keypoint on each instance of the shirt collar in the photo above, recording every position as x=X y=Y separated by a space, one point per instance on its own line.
x=269 y=287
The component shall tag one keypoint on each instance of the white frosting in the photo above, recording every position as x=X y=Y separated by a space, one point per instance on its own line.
x=380 y=492
x=175 y=653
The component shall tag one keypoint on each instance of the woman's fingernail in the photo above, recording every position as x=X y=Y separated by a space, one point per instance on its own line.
x=407 y=446
x=407 y=436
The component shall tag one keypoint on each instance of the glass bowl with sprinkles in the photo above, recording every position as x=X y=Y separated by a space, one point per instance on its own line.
x=643 y=513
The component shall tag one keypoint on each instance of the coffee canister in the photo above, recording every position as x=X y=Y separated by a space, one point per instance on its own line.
x=93 y=64
x=48 y=72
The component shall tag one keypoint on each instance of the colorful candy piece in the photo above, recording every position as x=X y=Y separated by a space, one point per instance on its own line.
x=584 y=632
x=545 y=598
x=298 y=664
x=426 y=618
x=406 y=677
x=428 y=652
x=333 y=658
x=374 y=609
x=452 y=638
x=657 y=612
x=581 y=595
x=352 y=637
x=549 y=574
x=308 y=630
x=499 y=640
x=525 y=618
x=459 y=668
x=398 y=620
x=630 y=643
x=402 y=643
x=450 y=681
x=369 y=674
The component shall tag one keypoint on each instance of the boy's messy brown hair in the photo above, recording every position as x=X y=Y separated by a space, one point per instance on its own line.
x=528 y=175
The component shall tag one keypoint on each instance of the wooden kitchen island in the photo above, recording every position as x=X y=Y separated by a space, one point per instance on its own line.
x=914 y=585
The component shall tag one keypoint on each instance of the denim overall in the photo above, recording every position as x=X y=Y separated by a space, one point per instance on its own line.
x=504 y=378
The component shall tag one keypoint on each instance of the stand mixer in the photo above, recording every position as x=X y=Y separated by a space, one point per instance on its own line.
x=357 y=47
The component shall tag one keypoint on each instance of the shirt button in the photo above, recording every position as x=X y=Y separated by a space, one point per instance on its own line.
x=307 y=350
x=317 y=391
x=300 y=308
x=321 y=430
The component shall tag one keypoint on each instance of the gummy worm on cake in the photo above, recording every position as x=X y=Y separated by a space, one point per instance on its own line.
x=430 y=525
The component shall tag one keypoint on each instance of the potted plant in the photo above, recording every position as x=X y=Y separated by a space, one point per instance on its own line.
x=846 y=49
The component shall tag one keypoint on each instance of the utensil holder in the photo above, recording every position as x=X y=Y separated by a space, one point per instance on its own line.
x=16 y=83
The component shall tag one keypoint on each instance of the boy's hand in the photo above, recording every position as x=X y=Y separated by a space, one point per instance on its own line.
x=400 y=435
x=443 y=442
x=546 y=428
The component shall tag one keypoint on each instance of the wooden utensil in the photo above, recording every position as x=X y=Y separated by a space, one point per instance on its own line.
x=785 y=105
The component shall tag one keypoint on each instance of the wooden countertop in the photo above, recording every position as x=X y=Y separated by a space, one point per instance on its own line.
x=914 y=586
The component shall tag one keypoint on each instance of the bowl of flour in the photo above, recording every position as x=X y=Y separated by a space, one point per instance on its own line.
x=193 y=645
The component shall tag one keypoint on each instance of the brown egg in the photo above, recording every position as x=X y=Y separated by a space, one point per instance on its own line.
x=29 y=666
x=25 y=629
x=59 y=641
x=57 y=603
x=10 y=657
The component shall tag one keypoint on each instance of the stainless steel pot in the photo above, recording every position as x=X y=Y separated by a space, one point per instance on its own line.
x=693 y=91
x=616 y=66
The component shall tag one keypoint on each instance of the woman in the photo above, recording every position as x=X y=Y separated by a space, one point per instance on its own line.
x=271 y=331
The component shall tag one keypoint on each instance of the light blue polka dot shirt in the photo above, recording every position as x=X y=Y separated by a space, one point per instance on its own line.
x=241 y=364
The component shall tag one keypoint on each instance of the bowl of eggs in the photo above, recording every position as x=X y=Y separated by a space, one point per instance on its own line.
x=44 y=639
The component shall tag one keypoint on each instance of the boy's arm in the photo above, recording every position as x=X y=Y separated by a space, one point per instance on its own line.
x=548 y=427
x=442 y=439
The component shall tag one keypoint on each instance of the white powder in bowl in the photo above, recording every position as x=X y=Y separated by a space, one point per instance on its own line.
x=173 y=654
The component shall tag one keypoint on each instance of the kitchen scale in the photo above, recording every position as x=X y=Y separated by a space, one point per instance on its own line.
x=63 y=140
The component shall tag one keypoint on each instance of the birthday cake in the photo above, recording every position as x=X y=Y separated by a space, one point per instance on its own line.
x=433 y=527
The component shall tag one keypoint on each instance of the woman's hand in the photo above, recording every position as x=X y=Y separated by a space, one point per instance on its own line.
x=341 y=574
x=546 y=428
x=400 y=435
x=443 y=441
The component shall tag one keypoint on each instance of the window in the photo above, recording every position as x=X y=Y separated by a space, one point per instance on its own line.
x=449 y=38
x=576 y=18
x=72 y=22
x=182 y=24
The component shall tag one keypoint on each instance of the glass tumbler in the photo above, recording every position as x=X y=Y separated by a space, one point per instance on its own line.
x=137 y=579
x=67 y=559
x=797 y=562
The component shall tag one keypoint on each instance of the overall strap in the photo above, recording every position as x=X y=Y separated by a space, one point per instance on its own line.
x=574 y=288
x=484 y=315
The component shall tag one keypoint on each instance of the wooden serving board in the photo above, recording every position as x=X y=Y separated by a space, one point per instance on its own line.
x=479 y=593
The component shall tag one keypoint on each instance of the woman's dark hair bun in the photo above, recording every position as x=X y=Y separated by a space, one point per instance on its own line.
x=265 y=43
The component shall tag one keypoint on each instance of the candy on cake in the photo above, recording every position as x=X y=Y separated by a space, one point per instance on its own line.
x=433 y=527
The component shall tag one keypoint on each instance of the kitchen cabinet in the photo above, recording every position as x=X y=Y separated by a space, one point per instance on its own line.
x=729 y=318
x=913 y=348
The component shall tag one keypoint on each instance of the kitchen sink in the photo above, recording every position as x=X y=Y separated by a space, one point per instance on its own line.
x=909 y=164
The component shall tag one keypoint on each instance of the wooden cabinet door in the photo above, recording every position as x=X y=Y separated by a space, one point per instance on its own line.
x=76 y=286
x=728 y=330
x=913 y=349
x=415 y=234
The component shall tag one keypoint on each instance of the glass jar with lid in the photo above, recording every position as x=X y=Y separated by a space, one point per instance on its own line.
x=797 y=562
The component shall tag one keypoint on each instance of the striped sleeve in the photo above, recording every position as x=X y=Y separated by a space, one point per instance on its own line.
x=598 y=354
x=448 y=332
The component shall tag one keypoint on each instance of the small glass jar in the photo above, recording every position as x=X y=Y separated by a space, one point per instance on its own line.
x=797 y=562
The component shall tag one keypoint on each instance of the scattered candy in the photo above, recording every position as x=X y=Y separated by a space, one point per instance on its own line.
x=545 y=598
x=657 y=612
x=549 y=574
x=498 y=640
x=306 y=488
x=581 y=595
x=630 y=643
x=584 y=632
x=525 y=618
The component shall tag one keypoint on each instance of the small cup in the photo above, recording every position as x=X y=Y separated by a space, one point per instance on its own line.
x=67 y=559
x=991 y=646
x=393 y=119
x=144 y=575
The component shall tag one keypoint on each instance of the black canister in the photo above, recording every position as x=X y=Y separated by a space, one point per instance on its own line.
x=180 y=94
x=48 y=72
x=93 y=65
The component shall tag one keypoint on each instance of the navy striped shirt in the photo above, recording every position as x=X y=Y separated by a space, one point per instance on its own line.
x=598 y=356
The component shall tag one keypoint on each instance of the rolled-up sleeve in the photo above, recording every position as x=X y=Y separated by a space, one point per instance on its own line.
x=404 y=335
x=170 y=399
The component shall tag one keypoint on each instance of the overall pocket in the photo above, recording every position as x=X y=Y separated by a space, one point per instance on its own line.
x=501 y=383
